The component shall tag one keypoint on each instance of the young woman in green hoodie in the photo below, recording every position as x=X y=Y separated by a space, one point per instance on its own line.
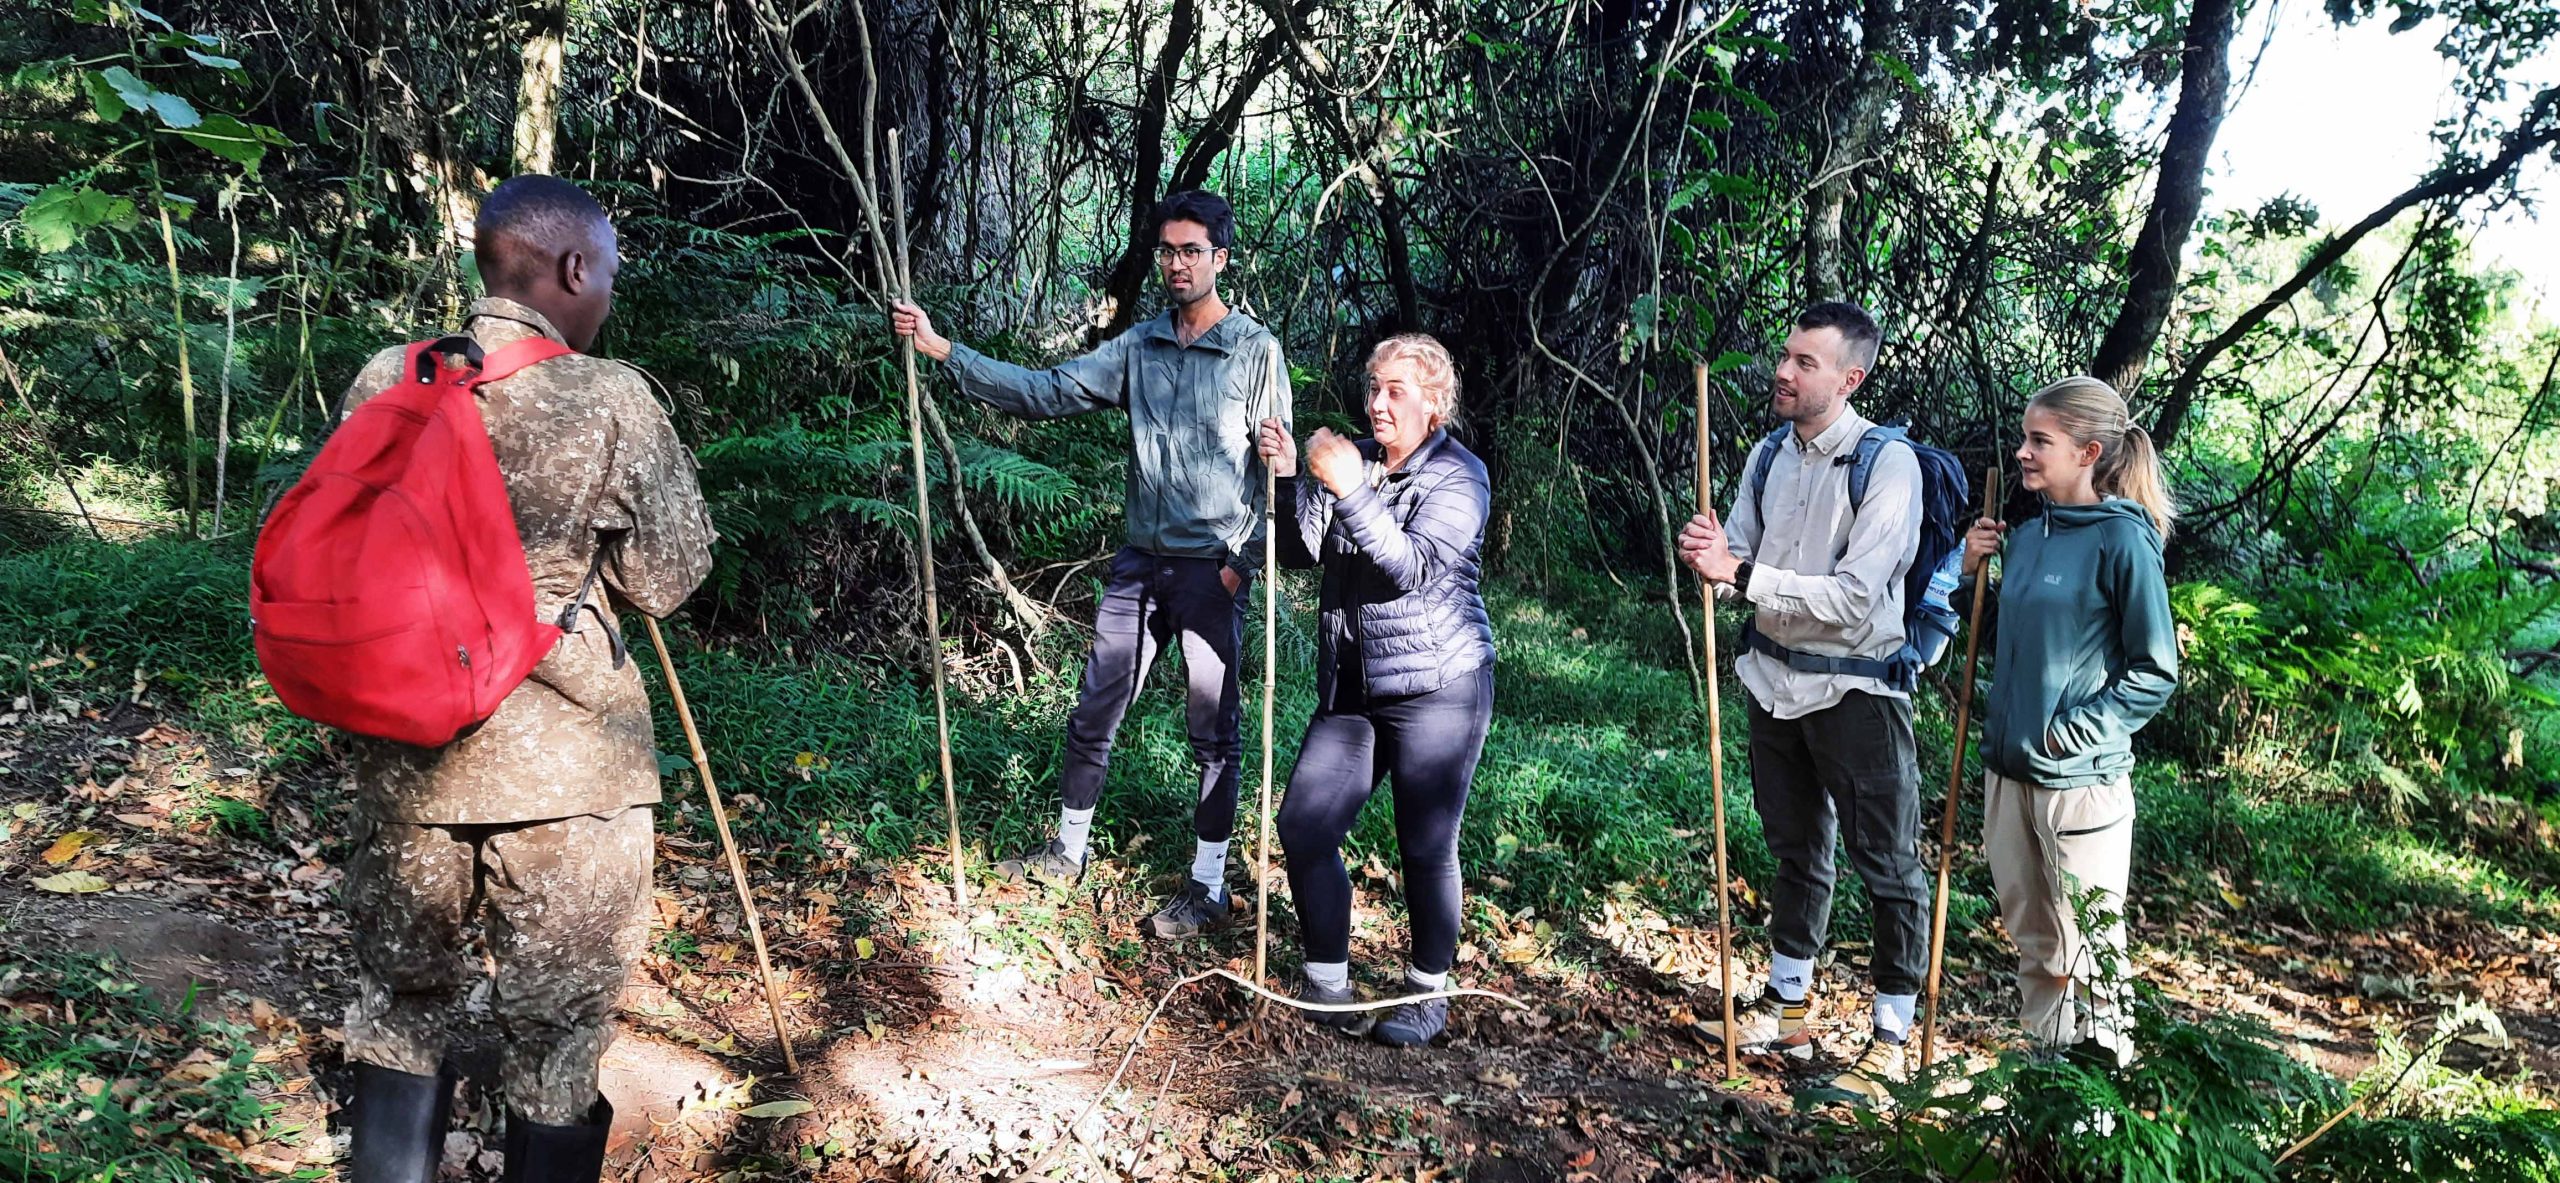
x=2085 y=654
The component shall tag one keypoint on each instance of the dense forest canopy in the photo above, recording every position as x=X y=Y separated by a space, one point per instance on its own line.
x=214 y=213
x=211 y=213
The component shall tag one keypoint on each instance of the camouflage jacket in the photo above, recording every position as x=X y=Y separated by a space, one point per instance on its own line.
x=592 y=464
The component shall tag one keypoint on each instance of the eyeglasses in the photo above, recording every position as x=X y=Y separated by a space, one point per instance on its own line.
x=1166 y=256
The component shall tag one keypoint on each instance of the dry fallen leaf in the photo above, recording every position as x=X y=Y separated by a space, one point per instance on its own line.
x=71 y=883
x=69 y=846
x=790 y=1108
x=213 y=1137
x=199 y=1066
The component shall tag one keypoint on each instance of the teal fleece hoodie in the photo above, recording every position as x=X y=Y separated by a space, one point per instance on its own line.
x=2086 y=649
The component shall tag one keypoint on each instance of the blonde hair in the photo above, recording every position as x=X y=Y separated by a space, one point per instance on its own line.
x=1439 y=371
x=2128 y=465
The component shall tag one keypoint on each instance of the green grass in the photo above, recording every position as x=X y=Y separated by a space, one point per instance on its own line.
x=1595 y=774
x=1596 y=780
x=91 y=1087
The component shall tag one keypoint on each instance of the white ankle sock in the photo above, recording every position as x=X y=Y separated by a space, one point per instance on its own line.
x=1790 y=978
x=1893 y=1015
x=1209 y=867
x=1426 y=981
x=1331 y=975
x=1075 y=831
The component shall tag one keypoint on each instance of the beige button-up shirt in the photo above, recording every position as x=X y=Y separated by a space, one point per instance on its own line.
x=1825 y=579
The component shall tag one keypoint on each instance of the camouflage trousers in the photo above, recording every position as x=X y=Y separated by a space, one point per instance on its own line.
x=564 y=917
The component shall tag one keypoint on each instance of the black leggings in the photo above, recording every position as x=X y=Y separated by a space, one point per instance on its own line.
x=1430 y=744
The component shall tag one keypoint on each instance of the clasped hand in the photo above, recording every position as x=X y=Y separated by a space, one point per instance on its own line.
x=1331 y=458
x=1703 y=549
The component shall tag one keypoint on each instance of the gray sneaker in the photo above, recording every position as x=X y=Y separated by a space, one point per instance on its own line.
x=1414 y=1024
x=1048 y=866
x=1190 y=913
x=1354 y=1021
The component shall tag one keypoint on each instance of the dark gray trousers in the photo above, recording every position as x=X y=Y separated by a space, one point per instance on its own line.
x=1150 y=600
x=1847 y=773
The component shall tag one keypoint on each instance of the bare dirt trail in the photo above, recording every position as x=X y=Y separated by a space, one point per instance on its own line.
x=950 y=1046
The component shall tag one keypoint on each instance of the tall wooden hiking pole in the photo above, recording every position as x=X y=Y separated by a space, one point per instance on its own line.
x=728 y=845
x=1955 y=779
x=1270 y=661
x=924 y=530
x=1715 y=753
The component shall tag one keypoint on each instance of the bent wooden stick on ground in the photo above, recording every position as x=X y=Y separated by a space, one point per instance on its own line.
x=1139 y=1040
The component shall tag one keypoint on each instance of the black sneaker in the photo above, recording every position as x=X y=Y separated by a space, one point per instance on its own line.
x=1190 y=913
x=1354 y=1021
x=1415 y=1023
x=1048 y=866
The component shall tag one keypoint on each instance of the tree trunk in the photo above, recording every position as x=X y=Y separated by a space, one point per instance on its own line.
x=1129 y=275
x=1827 y=202
x=2151 y=285
x=538 y=88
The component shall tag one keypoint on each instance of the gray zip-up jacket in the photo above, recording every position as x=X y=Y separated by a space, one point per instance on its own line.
x=1195 y=481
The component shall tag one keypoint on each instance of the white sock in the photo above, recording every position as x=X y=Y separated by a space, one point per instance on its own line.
x=1790 y=978
x=1331 y=975
x=1427 y=982
x=1209 y=867
x=1893 y=1015
x=1075 y=831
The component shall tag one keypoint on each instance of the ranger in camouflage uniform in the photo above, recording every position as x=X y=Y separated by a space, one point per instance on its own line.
x=541 y=816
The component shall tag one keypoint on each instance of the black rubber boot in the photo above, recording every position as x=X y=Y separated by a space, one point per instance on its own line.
x=538 y=1153
x=398 y=1122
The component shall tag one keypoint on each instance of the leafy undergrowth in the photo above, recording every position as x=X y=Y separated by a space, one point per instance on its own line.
x=2332 y=950
x=101 y=1079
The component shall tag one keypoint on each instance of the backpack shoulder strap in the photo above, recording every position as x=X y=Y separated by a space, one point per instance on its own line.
x=1761 y=458
x=507 y=359
x=1863 y=462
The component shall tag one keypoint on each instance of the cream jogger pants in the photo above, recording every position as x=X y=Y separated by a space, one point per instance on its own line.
x=2056 y=855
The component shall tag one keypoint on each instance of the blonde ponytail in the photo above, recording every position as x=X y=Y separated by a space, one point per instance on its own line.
x=2128 y=465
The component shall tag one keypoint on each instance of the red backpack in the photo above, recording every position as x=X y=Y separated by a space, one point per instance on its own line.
x=389 y=595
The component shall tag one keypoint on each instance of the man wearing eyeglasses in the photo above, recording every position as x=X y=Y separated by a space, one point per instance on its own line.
x=1195 y=381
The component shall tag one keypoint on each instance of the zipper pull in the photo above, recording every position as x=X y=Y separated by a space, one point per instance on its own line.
x=462 y=655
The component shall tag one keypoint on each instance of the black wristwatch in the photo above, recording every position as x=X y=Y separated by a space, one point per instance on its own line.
x=1742 y=578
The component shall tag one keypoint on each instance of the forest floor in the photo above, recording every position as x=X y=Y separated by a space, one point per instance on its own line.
x=939 y=1043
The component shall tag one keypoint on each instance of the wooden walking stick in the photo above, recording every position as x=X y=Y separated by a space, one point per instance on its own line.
x=1955 y=778
x=728 y=845
x=1270 y=675
x=1715 y=753
x=924 y=530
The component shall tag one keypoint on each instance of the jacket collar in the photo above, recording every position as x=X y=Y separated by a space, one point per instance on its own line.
x=502 y=308
x=1431 y=445
x=1220 y=338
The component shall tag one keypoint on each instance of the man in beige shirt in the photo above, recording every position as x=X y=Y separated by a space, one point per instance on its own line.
x=1830 y=740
